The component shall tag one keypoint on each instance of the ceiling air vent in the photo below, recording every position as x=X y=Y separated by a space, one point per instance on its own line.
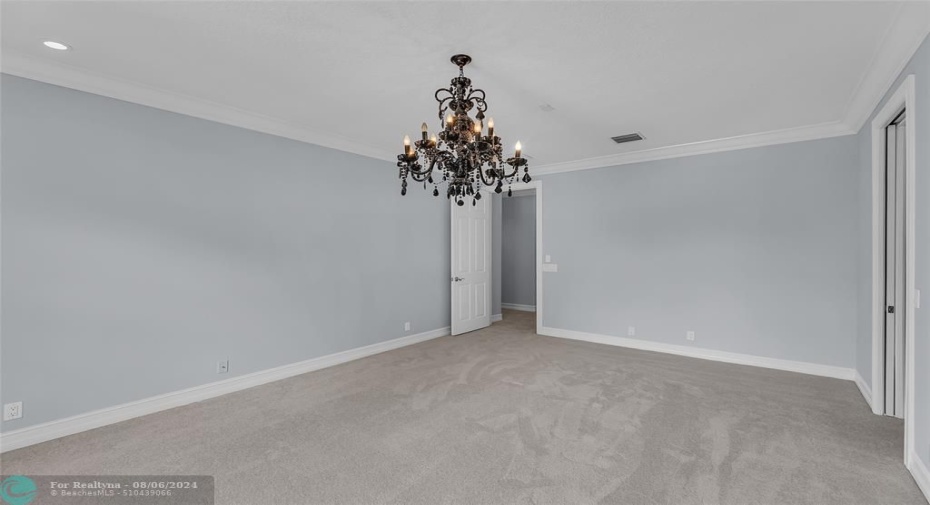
x=630 y=137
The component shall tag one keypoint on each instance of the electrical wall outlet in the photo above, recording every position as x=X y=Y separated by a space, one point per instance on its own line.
x=690 y=335
x=631 y=331
x=222 y=366
x=407 y=326
x=12 y=411
x=548 y=259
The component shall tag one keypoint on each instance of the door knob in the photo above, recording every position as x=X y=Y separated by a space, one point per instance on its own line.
x=456 y=279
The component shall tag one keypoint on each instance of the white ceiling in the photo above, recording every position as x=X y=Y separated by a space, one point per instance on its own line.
x=359 y=75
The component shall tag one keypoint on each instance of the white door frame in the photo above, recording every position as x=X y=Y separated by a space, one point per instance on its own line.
x=536 y=185
x=902 y=99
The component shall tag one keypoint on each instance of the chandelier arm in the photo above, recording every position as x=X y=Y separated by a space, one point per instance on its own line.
x=441 y=90
x=416 y=171
x=511 y=174
x=444 y=157
x=443 y=101
x=484 y=179
x=422 y=175
x=473 y=96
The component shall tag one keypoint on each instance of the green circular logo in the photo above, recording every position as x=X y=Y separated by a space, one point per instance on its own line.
x=18 y=490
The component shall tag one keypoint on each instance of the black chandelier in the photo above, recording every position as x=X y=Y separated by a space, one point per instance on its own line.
x=463 y=155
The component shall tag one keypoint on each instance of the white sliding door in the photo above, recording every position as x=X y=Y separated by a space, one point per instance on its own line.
x=895 y=171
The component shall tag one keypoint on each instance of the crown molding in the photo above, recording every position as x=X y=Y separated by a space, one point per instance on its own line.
x=129 y=91
x=813 y=132
x=898 y=46
x=68 y=76
x=903 y=38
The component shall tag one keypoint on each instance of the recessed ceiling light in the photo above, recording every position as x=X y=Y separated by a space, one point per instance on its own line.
x=58 y=46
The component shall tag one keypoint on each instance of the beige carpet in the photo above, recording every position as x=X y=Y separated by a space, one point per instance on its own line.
x=504 y=416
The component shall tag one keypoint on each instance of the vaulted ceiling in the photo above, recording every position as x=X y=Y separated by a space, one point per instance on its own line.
x=562 y=77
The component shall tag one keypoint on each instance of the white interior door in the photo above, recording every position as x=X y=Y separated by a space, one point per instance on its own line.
x=471 y=265
x=895 y=171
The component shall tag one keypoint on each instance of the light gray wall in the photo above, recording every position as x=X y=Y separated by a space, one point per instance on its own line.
x=496 y=249
x=518 y=263
x=919 y=66
x=754 y=250
x=140 y=247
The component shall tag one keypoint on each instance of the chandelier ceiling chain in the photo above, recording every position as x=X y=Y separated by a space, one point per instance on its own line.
x=461 y=153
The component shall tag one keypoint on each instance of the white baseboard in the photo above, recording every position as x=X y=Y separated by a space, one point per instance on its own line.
x=708 y=354
x=496 y=317
x=921 y=475
x=82 y=422
x=864 y=389
x=517 y=306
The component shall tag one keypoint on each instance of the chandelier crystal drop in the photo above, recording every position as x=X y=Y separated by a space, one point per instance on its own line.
x=463 y=155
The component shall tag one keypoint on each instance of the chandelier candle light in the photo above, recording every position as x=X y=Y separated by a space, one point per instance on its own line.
x=461 y=155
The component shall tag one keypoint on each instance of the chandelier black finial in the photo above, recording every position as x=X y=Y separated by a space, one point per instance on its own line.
x=461 y=153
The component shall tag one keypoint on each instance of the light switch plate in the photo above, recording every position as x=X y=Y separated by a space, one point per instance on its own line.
x=550 y=267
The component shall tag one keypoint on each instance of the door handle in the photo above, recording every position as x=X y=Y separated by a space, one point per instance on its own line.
x=456 y=279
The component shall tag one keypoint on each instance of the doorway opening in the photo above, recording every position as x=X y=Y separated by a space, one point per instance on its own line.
x=475 y=278
x=473 y=275
x=893 y=257
x=518 y=253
